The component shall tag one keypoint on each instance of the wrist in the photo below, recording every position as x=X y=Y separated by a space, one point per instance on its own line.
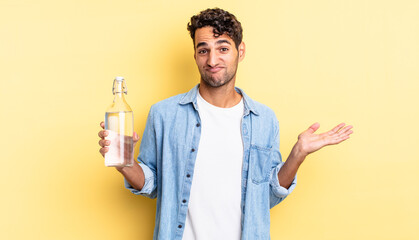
x=298 y=152
x=125 y=169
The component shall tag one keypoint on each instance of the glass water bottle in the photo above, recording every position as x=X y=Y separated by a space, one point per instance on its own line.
x=119 y=121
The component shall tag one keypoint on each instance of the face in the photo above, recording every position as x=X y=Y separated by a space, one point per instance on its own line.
x=216 y=57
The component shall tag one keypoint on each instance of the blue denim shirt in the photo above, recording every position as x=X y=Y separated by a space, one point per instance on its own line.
x=168 y=152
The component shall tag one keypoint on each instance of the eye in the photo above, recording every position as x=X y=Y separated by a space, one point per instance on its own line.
x=202 y=51
x=224 y=49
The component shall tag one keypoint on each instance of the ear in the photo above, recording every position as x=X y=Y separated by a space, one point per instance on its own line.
x=242 y=51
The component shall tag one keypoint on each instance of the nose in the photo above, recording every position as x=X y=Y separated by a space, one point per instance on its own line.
x=212 y=59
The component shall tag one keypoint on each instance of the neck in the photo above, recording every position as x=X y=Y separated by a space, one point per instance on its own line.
x=223 y=97
x=119 y=96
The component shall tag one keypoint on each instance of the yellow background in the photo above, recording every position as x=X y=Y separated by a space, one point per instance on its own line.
x=310 y=61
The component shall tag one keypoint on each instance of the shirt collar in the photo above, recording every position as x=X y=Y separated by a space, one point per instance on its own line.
x=190 y=97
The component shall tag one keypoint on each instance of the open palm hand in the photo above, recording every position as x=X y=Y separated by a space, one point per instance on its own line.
x=310 y=142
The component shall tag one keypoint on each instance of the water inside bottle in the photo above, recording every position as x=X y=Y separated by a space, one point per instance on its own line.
x=121 y=149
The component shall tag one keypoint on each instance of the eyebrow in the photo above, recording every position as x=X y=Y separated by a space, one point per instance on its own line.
x=201 y=44
x=219 y=42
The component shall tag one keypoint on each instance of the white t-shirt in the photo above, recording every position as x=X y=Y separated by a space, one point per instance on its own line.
x=214 y=204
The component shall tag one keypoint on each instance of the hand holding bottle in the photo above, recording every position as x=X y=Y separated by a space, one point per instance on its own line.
x=105 y=142
x=119 y=125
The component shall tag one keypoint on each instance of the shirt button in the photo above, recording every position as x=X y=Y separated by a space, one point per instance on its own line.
x=198 y=124
x=184 y=201
x=193 y=150
x=180 y=226
x=188 y=175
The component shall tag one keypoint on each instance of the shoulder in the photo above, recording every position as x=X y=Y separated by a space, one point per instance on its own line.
x=264 y=125
x=170 y=102
x=259 y=109
x=166 y=108
x=264 y=118
x=264 y=111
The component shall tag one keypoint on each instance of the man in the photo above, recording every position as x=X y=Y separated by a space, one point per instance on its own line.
x=211 y=156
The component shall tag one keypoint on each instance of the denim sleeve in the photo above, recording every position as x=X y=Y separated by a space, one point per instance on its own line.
x=147 y=160
x=277 y=192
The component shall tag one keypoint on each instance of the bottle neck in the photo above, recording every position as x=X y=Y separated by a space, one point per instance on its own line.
x=119 y=97
x=119 y=90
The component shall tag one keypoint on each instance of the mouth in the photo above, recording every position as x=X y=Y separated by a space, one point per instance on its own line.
x=214 y=69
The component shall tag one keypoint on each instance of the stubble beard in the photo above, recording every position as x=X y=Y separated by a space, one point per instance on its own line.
x=210 y=80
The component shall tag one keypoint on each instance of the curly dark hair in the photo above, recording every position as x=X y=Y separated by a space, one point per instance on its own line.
x=221 y=21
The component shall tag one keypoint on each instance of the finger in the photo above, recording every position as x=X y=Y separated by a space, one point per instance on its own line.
x=346 y=134
x=103 y=151
x=343 y=137
x=313 y=127
x=135 y=137
x=104 y=143
x=337 y=140
x=335 y=129
x=345 y=131
x=103 y=133
x=102 y=124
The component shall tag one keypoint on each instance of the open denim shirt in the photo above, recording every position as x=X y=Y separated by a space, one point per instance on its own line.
x=168 y=153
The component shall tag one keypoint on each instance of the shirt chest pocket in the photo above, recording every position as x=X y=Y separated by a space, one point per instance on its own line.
x=260 y=164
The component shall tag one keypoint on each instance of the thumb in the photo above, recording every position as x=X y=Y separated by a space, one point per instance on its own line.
x=313 y=128
x=135 y=137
